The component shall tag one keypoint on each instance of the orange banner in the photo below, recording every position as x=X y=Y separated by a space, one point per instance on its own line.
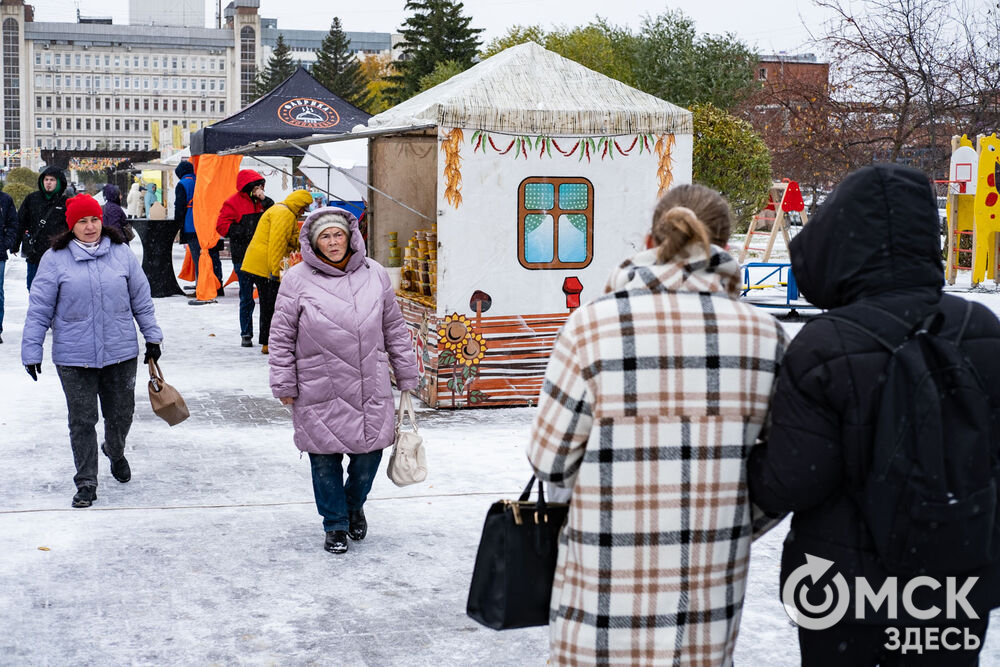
x=215 y=180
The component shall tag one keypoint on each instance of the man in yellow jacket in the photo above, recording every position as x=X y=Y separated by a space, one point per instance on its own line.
x=277 y=235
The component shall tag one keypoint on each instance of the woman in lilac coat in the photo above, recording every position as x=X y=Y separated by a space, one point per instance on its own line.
x=336 y=329
x=90 y=290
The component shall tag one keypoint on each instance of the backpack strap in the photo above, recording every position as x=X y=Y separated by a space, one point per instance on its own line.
x=965 y=322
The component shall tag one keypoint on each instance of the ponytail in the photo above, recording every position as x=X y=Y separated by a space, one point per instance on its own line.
x=690 y=213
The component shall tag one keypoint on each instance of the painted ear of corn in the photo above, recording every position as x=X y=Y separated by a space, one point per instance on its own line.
x=452 y=167
x=664 y=147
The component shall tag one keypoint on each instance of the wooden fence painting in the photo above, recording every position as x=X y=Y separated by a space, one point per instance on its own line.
x=508 y=372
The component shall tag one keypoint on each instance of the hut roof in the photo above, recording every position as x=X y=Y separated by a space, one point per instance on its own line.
x=527 y=89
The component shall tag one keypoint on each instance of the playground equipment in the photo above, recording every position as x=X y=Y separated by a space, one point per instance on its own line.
x=972 y=207
x=783 y=199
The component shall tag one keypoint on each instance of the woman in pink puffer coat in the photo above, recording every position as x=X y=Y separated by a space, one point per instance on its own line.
x=336 y=329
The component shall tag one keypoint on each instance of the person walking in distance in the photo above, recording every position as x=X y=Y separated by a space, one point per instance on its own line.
x=276 y=236
x=41 y=218
x=8 y=241
x=238 y=221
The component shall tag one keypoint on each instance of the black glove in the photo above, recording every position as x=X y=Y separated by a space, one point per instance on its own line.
x=34 y=370
x=152 y=352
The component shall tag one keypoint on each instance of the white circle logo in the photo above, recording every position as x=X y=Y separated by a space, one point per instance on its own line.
x=815 y=616
x=308 y=112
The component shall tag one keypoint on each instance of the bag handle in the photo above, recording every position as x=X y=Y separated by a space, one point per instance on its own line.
x=406 y=409
x=155 y=375
x=526 y=494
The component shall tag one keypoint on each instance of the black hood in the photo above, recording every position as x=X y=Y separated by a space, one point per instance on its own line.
x=878 y=231
x=60 y=176
x=183 y=168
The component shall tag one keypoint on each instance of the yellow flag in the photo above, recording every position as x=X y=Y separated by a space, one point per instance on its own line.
x=154 y=129
x=193 y=126
x=178 y=137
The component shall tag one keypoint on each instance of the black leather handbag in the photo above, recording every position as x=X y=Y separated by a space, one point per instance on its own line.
x=512 y=579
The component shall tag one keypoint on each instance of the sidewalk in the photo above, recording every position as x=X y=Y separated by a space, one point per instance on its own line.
x=213 y=553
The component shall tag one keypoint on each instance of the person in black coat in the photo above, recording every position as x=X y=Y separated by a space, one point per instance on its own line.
x=42 y=217
x=875 y=242
x=8 y=240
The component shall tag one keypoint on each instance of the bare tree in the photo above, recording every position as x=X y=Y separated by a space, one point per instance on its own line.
x=893 y=74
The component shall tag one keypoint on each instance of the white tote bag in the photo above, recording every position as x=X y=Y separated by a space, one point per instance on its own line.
x=408 y=461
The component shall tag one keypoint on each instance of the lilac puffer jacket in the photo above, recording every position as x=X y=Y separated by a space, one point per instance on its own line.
x=332 y=338
x=90 y=302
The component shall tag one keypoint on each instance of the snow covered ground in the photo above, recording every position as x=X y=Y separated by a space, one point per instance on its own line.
x=212 y=554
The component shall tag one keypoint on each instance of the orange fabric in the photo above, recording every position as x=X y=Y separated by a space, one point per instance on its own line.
x=215 y=180
x=187 y=269
x=232 y=278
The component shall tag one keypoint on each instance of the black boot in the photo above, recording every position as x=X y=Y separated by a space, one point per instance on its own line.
x=247 y=341
x=358 y=525
x=336 y=541
x=120 y=469
x=85 y=496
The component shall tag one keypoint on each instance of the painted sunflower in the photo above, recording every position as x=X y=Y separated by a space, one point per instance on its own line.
x=473 y=351
x=454 y=331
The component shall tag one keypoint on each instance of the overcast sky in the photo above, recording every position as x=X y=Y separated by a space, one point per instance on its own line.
x=783 y=26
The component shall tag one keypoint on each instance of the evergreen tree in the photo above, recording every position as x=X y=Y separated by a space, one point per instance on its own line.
x=337 y=68
x=279 y=67
x=436 y=32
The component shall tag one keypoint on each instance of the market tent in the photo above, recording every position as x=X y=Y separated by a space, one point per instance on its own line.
x=299 y=107
x=528 y=90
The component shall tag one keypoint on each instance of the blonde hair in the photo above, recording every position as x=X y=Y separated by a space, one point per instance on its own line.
x=689 y=213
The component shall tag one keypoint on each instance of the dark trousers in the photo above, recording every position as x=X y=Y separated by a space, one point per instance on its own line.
x=3 y=266
x=114 y=385
x=195 y=249
x=333 y=497
x=267 y=290
x=32 y=270
x=846 y=645
x=246 y=301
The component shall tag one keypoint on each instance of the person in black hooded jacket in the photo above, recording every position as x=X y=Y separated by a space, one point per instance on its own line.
x=874 y=245
x=41 y=218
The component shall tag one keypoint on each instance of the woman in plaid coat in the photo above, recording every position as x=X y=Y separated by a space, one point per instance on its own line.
x=653 y=397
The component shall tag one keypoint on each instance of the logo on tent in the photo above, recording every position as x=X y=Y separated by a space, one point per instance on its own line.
x=307 y=112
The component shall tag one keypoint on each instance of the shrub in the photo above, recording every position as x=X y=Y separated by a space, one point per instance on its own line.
x=730 y=157
x=24 y=176
x=18 y=191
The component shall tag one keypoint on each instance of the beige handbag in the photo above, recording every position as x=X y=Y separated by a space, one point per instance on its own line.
x=166 y=401
x=408 y=461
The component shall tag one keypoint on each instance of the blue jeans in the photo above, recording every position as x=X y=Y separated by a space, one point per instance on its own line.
x=333 y=497
x=32 y=270
x=246 y=301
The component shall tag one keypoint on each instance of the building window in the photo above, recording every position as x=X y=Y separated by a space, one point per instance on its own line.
x=86 y=60
x=184 y=106
x=248 y=64
x=38 y=101
x=58 y=60
x=222 y=107
x=79 y=124
x=38 y=58
x=118 y=124
x=86 y=103
x=87 y=126
x=211 y=106
x=58 y=102
x=762 y=74
x=38 y=122
x=555 y=223
x=145 y=125
x=76 y=60
x=79 y=104
x=128 y=104
x=118 y=104
x=203 y=106
x=107 y=60
x=174 y=105
x=88 y=144
x=173 y=63
x=59 y=122
x=107 y=124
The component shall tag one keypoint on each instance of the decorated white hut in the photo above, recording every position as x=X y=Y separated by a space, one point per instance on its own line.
x=519 y=185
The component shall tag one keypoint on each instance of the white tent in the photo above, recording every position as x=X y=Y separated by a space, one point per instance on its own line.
x=351 y=155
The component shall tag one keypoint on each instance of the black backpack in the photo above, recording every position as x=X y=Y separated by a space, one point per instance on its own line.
x=930 y=494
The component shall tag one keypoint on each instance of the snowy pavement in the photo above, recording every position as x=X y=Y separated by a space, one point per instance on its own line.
x=212 y=554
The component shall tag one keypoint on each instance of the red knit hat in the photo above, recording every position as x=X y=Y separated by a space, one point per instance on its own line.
x=82 y=206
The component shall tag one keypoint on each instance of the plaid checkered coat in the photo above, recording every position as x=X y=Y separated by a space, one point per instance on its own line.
x=653 y=397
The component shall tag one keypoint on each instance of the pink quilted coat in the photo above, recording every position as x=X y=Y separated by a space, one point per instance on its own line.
x=333 y=336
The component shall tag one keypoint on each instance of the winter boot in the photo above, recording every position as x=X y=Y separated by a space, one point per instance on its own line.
x=336 y=541
x=358 y=525
x=85 y=496
x=120 y=469
x=263 y=349
x=247 y=341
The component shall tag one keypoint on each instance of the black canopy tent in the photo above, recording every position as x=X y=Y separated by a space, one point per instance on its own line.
x=299 y=107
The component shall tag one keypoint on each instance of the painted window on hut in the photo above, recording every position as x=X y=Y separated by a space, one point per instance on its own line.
x=555 y=225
